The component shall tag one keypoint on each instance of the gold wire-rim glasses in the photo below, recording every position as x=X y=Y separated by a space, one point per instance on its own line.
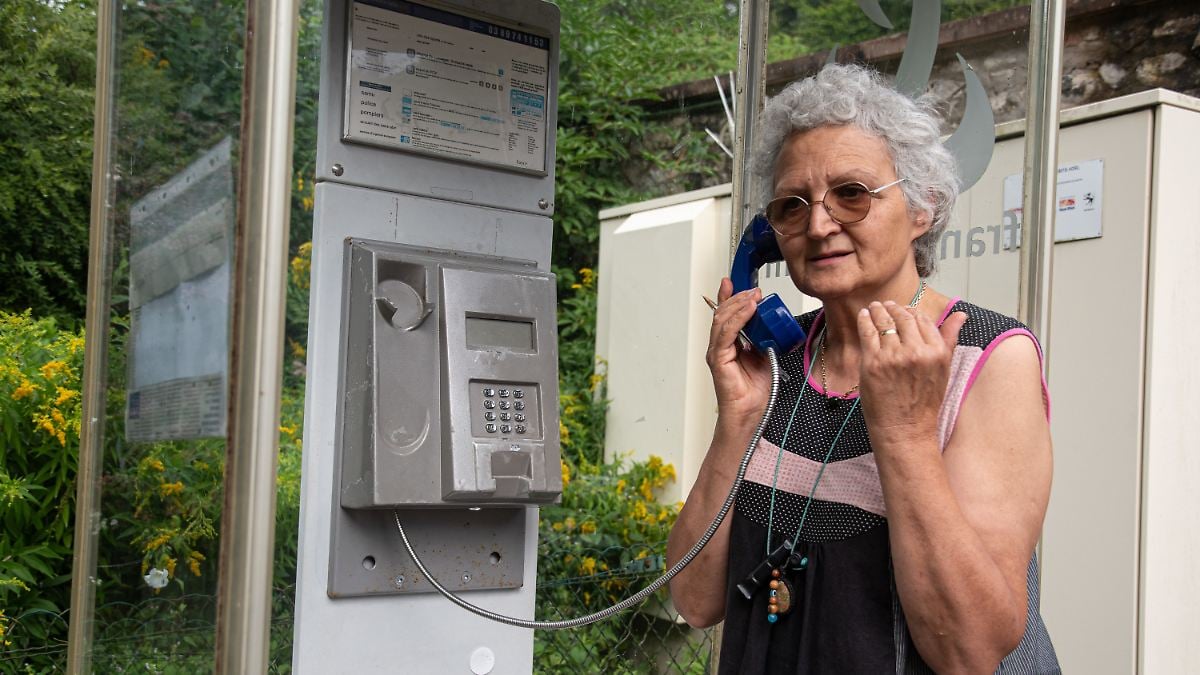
x=789 y=215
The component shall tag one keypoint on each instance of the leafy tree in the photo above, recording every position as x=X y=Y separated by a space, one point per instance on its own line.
x=47 y=70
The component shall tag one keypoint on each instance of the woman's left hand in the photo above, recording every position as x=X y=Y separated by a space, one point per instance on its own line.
x=904 y=368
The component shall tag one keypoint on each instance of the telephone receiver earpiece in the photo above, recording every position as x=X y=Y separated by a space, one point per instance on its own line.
x=773 y=325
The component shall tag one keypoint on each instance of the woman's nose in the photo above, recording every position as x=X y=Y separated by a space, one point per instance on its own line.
x=820 y=223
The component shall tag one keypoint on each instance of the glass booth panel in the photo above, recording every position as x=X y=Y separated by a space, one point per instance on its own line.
x=178 y=100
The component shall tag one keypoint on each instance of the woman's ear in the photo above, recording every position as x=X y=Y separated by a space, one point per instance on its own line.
x=921 y=225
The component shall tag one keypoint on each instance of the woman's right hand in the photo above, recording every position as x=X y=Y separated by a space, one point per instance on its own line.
x=742 y=377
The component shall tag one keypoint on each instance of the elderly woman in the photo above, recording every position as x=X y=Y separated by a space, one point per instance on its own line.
x=890 y=512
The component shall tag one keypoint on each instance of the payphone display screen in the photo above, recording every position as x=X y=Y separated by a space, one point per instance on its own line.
x=436 y=82
x=483 y=333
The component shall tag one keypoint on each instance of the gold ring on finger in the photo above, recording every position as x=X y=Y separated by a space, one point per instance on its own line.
x=889 y=331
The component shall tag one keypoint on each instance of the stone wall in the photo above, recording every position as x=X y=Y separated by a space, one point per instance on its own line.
x=1112 y=48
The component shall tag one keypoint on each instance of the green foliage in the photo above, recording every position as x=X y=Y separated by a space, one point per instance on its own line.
x=47 y=70
x=39 y=435
x=601 y=544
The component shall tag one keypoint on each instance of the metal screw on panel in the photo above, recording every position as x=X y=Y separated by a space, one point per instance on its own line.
x=400 y=581
x=338 y=169
x=466 y=577
x=542 y=203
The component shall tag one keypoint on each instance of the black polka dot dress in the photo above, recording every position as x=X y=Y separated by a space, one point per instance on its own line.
x=843 y=614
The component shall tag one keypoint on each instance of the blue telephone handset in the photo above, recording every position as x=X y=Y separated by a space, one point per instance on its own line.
x=772 y=325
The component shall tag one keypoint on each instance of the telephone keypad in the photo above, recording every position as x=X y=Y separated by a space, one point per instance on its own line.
x=496 y=417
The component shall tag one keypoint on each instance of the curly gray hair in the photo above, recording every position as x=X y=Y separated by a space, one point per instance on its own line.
x=854 y=95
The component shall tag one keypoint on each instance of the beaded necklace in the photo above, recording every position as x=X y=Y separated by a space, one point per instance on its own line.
x=784 y=557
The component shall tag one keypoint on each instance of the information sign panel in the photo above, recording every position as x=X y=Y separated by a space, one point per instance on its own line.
x=437 y=82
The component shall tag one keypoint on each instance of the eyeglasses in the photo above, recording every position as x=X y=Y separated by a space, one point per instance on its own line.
x=846 y=204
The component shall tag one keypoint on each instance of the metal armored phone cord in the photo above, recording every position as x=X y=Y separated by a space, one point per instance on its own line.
x=657 y=583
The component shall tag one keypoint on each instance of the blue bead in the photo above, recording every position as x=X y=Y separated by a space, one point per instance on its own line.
x=772 y=618
x=804 y=562
x=774 y=593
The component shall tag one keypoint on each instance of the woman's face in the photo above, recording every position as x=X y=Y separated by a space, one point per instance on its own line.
x=828 y=260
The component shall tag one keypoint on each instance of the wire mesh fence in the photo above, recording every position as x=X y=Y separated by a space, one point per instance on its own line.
x=648 y=639
x=174 y=633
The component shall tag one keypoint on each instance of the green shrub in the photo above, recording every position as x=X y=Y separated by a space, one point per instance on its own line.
x=40 y=369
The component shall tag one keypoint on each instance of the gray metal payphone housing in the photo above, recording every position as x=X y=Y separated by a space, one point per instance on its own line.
x=449 y=388
x=433 y=203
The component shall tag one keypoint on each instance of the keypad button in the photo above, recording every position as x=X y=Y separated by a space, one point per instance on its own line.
x=504 y=417
x=505 y=429
x=503 y=393
x=519 y=405
x=520 y=428
x=491 y=428
x=489 y=416
x=504 y=405
x=488 y=391
x=518 y=393
x=519 y=417
x=489 y=404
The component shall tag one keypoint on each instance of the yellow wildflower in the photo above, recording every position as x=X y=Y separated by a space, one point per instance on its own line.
x=569 y=523
x=156 y=464
x=306 y=203
x=144 y=56
x=58 y=416
x=62 y=437
x=157 y=542
x=557 y=527
x=587 y=527
x=620 y=486
x=290 y=431
x=194 y=559
x=566 y=474
x=641 y=554
x=587 y=275
x=75 y=344
x=52 y=368
x=587 y=597
x=563 y=433
x=668 y=472
x=297 y=348
x=65 y=395
x=576 y=287
x=588 y=566
x=24 y=390
x=646 y=491
x=168 y=489
x=299 y=183
x=639 y=509
x=594 y=381
x=170 y=567
x=163 y=63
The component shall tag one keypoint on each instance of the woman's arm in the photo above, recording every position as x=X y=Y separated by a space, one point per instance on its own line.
x=742 y=383
x=964 y=522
